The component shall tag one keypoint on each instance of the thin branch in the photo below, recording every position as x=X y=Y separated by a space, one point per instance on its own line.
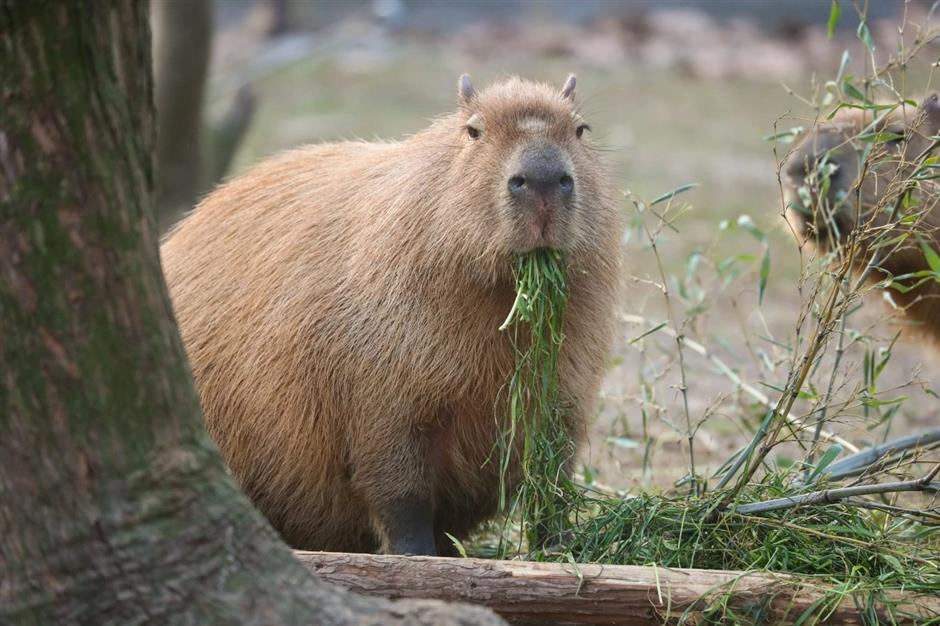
x=833 y=496
x=824 y=406
x=911 y=514
x=752 y=391
x=860 y=461
x=796 y=379
x=684 y=387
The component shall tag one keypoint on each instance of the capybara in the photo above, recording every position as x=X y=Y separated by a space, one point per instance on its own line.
x=340 y=305
x=855 y=180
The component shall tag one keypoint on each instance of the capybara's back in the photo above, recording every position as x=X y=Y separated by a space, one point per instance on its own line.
x=340 y=306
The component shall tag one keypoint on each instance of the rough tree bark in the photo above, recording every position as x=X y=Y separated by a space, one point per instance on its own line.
x=114 y=505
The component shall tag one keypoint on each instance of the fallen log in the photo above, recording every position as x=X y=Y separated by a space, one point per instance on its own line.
x=550 y=593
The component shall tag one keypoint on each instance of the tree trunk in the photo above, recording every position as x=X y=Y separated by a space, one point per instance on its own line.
x=554 y=593
x=181 y=50
x=194 y=152
x=114 y=505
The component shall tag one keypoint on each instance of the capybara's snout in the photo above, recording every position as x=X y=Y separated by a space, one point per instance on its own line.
x=542 y=177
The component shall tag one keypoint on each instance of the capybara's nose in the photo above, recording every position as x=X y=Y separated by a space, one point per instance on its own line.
x=541 y=172
x=801 y=170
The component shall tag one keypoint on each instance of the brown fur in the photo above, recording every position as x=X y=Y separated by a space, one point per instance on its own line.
x=340 y=306
x=862 y=216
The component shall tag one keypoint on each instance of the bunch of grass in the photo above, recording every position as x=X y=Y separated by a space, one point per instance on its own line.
x=536 y=432
x=839 y=543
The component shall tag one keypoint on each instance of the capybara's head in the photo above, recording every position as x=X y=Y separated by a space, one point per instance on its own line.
x=526 y=152
x=853 y=170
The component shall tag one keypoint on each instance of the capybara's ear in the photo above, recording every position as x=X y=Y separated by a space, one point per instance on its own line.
x=465 y=91
x=568 y=90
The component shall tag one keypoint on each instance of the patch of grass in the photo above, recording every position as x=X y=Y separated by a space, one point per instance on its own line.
x=837 y=543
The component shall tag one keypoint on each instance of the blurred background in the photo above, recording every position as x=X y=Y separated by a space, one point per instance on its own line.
x=675 y=92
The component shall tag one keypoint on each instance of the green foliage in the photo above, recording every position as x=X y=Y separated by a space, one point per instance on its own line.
x=834 y=13
x=537 y=412
x=840 y=543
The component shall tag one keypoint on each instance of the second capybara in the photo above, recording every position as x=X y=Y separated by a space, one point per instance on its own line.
x=854 y=179
x=340 y=305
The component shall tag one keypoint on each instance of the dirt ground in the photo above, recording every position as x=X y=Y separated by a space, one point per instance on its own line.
x=673 y=98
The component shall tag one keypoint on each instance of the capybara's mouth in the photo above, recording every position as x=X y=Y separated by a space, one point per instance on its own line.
x=823 y=224
x=539 y=235
x=541 y=227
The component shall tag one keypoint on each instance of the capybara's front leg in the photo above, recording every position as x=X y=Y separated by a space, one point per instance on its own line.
x=390 y=471
x=409 y=526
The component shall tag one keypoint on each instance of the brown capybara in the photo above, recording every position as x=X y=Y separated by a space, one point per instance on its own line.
x=340 y=305
x=859 y=179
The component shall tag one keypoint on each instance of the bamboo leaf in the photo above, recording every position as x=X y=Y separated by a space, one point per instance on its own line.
x=933 y=260
x=764 y=274
x=865 y=36
x=649 y=332
x=745 y=222
x=834 y=12
x=672 y=194
x=852 y=91
x=825 y=461
x=457 y=544
x=843 y=65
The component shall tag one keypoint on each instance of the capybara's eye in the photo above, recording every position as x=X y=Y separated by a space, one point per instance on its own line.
x=580 y=130
x=473 y=132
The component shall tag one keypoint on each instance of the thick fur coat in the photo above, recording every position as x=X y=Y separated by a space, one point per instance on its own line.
x=340 y=306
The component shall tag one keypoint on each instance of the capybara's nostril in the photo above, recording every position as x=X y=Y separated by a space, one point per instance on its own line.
x=516 y=184
x=566 y=184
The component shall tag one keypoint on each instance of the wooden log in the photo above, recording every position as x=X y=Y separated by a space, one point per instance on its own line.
x=551 y=593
